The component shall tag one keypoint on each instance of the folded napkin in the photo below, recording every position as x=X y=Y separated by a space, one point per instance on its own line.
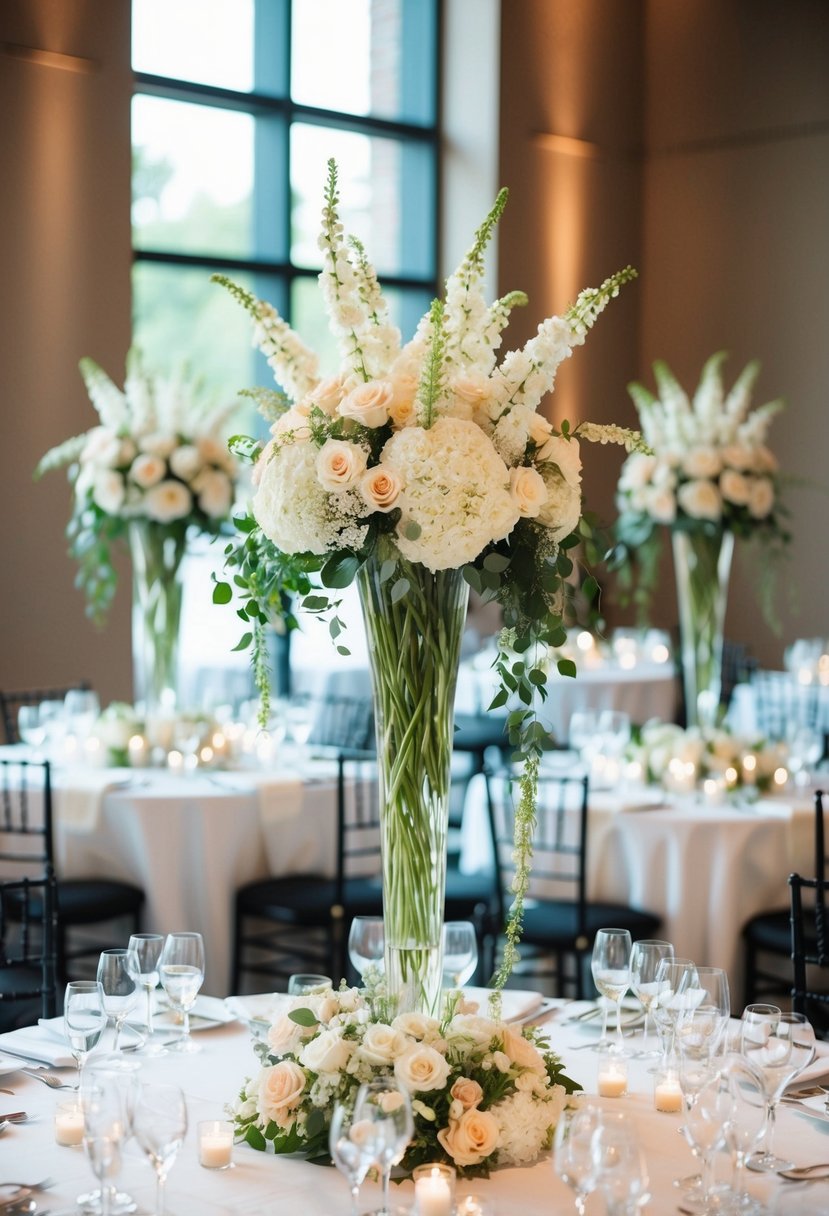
x=515 y=1003
x=39 y=1044
x=817 y=1073
x=207 y=1011
x=78 y=803
x=261 y=1007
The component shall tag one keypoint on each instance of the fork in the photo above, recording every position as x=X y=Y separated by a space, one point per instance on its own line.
x=44 y=1185
x=47 y=1078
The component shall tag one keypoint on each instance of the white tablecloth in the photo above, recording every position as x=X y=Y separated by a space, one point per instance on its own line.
x=262 y=1185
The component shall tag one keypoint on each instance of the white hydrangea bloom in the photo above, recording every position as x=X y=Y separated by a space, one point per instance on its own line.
x=297 y=513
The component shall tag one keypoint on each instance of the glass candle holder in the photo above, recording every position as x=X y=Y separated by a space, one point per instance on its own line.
x=215 y=1139
x=69 y=1123
x=667 y=1094
x=434 y=1185
x=473 y=1205
x=612 y=1080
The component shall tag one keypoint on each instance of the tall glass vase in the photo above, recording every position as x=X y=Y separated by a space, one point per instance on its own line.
x=414 y=623
x=157 y=551
x=702 y=565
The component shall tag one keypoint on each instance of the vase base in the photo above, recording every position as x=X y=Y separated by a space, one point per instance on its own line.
x=414 y=978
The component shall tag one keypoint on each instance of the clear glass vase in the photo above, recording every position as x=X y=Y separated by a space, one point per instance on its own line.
x=157 y=551
x=702 y=565
x=414 y=623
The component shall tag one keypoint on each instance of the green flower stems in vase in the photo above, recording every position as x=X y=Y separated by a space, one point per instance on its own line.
x=157 y=551
x=414 y=623
x=702 y=565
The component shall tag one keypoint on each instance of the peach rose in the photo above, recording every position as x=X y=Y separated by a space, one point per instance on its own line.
x=381 y=488
x=280 y=1090
x=734 y=487
x=326 y=395
x=340 y=464
x=418 y=1025
x=521 y=1051
x=467 y=1092
x=368 y=403
x=285 y=1037
x=185 y=461
x=566 y=454
x=147 y=469
x=528 y=491
x=293 y=425
x=421 y=1068
x=761 y=500
x=472 y=1138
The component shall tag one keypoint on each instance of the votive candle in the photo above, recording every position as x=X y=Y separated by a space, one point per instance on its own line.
x=613 y=1075
x=69 y=1124
x=215 y=1144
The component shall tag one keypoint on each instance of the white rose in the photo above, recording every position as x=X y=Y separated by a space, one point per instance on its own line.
x=702 y=462
x=167 y=501
x=382 y=1044
x=561 y=510
x=661 y=505
x=340 y=464
x=564 y=453
x=286 y=1037
x=326 y=395
x=368 y=403
x=421 y=1068
x=102 y=447
x=761 y=500
x=185 y=461
x=472 y=1028
x=522 y=1052
x=158 y=443
x=417 y=1025
x=215 y=493
x=328 y=1052
x=381 y=487
x=528 y=491
x=108 y=491
x=700 y=500
x=472 y=1138
x=637 y=471
x=146 y=470
x=734 y=487
x=280 y=1091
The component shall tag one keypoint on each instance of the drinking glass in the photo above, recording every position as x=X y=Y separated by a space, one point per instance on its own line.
x=30 y=727
x=701 y=1027
x=104 y=1133
x=181 y=969
x=366 y=945
x=306 y=985
x=573 y=1151
x=81 y=708
x=386 y=1109
x=53 y=721
x=779 y=1046
x=645 y=957
x=744 y=1130
x=611 y=975
x=84 y=1019
x=619 y=1166
x=676 y=978
x=352 y=1149
x=582 y=733
x=144 y=952
x=118 y=987
x=460 y=953
x=707 y=1109
x=119 y=1077
x=160 y=1125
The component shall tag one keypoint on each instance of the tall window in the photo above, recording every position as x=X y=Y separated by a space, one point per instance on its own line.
x=238 y=106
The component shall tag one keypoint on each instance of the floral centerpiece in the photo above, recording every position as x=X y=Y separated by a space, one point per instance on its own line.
x=714 y=760
x=155 y=468
x=418 y=469
x=483 y=1093
x=709 y=477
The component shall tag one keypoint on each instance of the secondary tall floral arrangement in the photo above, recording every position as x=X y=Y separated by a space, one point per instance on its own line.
x=420 y=470
x=709 y=478
x=155 y=468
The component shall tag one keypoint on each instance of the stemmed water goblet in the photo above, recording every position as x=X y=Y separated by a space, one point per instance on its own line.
x=31 y=728
x=143 y=954
x=676 y=980
x=611 y=975
x=701 y=1025
x=778 y=1046
x=116 y=1078
x=386 y=1109
x=366 y=946
x=573 y=1158
x=744 y=1130
x=460 y=953
x=105 y=1128
x=352 y=1148
x=707 y=1108
x=645 y=957
x=619 y=1169
x=181 y=969
x=81 y=707
x=159 y=1126
x=84 y=1019
x=119 y=988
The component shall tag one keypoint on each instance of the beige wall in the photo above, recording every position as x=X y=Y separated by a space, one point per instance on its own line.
x=64 y=220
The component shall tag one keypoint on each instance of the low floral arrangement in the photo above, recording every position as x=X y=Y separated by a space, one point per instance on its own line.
x=483 y=1093
x=709 y=469
x=159 y=455
x=127 y=738
x=679 y=759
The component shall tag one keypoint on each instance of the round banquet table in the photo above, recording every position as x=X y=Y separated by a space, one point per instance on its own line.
x=262 y=1185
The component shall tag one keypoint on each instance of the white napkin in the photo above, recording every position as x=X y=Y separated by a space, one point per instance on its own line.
x=78 y=805
x=39 y=1043
x=280 y=802
x=817 y=1073
x=206 y=1009
x=515 y=1003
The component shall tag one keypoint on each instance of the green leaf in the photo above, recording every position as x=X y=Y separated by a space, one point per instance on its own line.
x=315 y=1123
x=222 y=593
x=590 y=587
x=537 y=677
x=304 y=1017
x=343 y=650
x=496 y=562
x=566 y=667
x=472 y=576
x=339 y=570
x=387 y=569
x=400 y=588
x=411 y=530
x=255 y=1139
x=501 y=697
x=316 y=603
x=244 y=641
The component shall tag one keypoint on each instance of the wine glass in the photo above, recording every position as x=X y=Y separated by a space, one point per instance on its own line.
x=81 y=708
x=386 y=1108
x=707 y=1109
x=118 y=987
x=700 y=1028
x=619 y=1169
x=581 y=735
x=645 y=957
x=30 y=727
x=744 y=1129
x=352 y=1149
x=143 y=954
x=84 y=1019
x=307 y=985
x=181 y=969
x=105 y=1128
x=573 y=1151
x=674 y=978
x=779 y=1046
x=160 y=1125
x=460 y=953
x=611 y=975
x=366 y=945
x=118 y=1075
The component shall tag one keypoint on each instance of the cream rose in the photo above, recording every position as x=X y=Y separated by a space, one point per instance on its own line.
x=467 y=1092
x=417 y=1025
x=528 y=491
x=700 y=500
x=326 y=395
x=522 y=1052
x=702 y=462
x=421 y=1068
x=661 y=504
x=368 y=403
x=381 y=487
x=734 y=487
x=108 y=491
x=280 y=1090
x=340 y=464
x=147 y=469
x=473 y=1028
x=328 y=1052
x=167 y=501
x=382 y=1044
x=472 y=1138
x=185 y=461
x=285 y=1037
x=215 y=493
x=158 y=443
x=564 y=453
x=292 y=426
x=761 y=499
